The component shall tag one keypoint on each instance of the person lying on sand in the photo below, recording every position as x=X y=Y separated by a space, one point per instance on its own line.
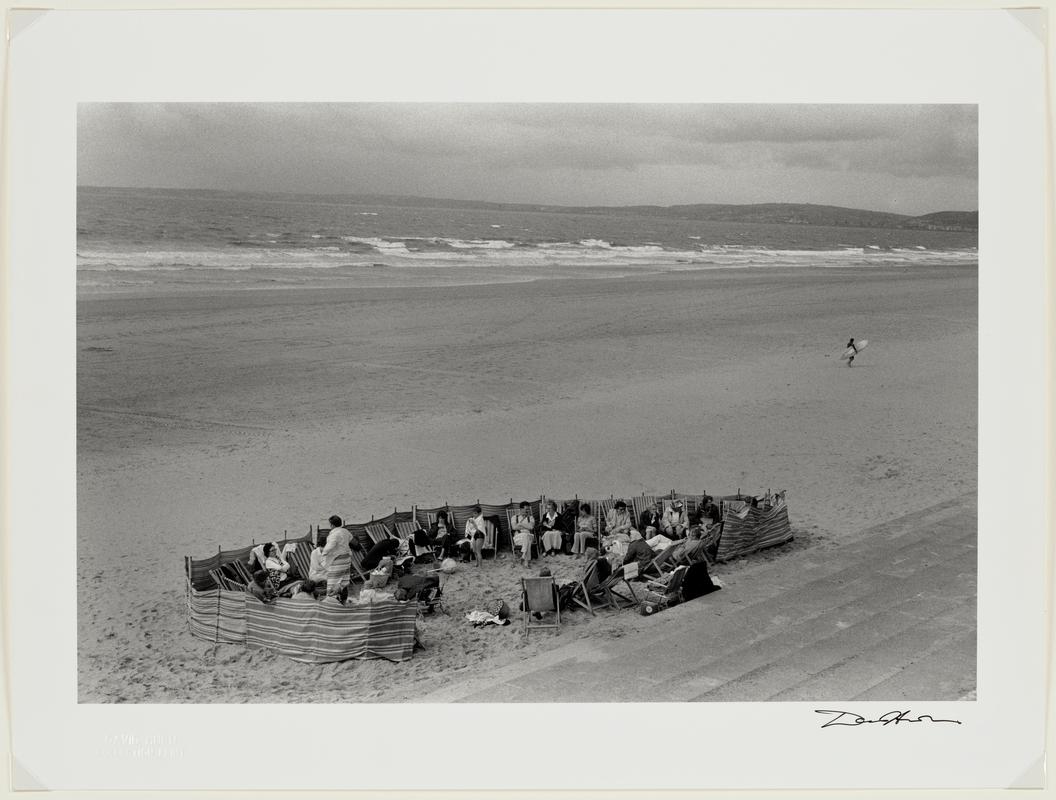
x=551 y=532
x=524 y=531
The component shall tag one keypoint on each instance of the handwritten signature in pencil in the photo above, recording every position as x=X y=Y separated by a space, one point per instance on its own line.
x=849 y=718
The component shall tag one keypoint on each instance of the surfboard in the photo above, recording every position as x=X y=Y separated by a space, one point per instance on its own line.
x=850 y=350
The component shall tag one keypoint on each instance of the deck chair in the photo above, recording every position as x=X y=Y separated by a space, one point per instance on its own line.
x=405 y=530
x=617 y=590
x=220 y=579
x=357 y=571
x=242 y=569
x=510 y=514
x=491 y=536
x=378 y=532
x=663 y=594
x=433 y=599
x=590 y=587
x=301 y=559
x=539 y=595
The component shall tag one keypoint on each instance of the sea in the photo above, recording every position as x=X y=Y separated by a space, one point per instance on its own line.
x=160 y=240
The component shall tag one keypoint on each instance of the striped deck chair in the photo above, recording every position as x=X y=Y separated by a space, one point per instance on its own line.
x=378 y=532
x=405 y=530
x=301 y=559
x=222 y=581
x=491 y=536
x=357 y=567
x=242 y=569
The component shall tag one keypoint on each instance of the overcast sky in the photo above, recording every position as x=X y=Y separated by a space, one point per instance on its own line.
x=907 y=159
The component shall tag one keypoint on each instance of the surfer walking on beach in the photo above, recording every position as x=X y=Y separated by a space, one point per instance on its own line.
x=853 y=347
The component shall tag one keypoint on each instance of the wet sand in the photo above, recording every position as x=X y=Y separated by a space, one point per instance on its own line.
x=213 y=420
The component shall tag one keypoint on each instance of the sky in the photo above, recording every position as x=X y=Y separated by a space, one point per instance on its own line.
x=908 y=159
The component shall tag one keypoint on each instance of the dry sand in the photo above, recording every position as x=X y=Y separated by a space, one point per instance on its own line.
x=214 y=420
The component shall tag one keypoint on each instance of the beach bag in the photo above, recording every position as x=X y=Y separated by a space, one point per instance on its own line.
x=380 y=576
x=498 y=608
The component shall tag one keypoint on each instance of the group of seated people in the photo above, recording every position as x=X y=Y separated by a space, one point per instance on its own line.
x=573 y=530
x=330 y=568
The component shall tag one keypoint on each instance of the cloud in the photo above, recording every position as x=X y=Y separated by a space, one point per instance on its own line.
x=454 y=149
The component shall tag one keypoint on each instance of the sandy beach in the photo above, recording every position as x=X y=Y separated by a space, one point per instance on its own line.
x=208 y=420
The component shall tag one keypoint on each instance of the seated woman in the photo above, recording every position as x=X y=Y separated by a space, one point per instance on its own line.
x=551 y=532
x=523 y=529
x=317 y=564
x=638 y=550
x=443 y=533
x=567 y=523
x=618 y=520
x=277 y=567
x=586 y=529
x=673 y=523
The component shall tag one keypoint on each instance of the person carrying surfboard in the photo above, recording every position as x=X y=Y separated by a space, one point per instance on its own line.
x=853 y=347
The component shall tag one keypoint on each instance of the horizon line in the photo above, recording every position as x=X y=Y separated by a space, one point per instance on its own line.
x=518 y=203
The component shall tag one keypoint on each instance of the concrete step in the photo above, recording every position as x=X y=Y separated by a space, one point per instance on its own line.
x=889 y=614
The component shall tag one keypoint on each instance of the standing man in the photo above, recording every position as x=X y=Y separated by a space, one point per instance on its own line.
x=337 y=557
x=854 y=347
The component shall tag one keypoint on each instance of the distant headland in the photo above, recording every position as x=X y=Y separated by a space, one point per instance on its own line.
x=769 y=213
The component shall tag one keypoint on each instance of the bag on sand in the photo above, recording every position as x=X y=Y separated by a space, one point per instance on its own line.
x=498 y=608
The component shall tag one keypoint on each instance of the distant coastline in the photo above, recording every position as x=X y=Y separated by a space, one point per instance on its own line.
x=762 y=213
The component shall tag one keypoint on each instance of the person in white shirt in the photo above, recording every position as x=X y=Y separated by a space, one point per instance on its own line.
x=476 y=533
x=674 y=521
x=317 y=564
x=524 y=531
x=552 y=539
x=337 y=556
x=278 y=568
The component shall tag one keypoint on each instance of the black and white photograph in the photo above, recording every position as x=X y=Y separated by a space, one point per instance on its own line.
x=657 y=395
x=484 y=402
